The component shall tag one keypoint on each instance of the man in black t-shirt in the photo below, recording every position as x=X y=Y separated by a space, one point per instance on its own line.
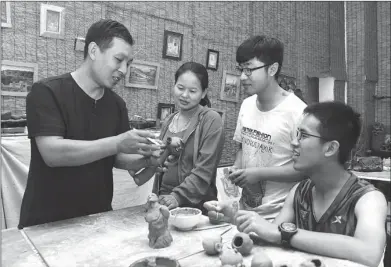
x=79 y=130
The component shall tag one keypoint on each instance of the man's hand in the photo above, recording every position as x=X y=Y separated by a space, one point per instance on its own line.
x=244 y=177
x=220 y=211
x=169 y=201
x=250 y=221
x=136 y=142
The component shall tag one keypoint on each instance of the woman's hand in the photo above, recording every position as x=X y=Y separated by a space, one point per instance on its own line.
x=169 y=201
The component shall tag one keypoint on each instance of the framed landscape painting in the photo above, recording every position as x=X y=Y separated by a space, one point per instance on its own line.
x=17 y=78
x=230 y=87
x=143 y=74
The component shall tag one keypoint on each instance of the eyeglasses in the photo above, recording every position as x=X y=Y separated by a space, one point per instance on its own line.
x=300 y=134
x=248 y=71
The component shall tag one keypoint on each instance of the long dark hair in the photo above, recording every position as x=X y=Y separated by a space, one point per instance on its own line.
x=201 y=73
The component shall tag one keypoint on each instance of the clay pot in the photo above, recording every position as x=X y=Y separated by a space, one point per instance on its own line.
x=242 y=243
x=231 y=257
x=261 y=259
x=212 y=244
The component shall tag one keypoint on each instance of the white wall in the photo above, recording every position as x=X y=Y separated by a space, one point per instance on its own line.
x=326 y=89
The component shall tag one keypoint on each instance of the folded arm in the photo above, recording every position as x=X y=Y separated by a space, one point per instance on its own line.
x=195 y=186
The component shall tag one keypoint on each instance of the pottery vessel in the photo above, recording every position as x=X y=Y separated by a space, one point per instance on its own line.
x=261 y=259
x=212 y=244
x=230 y=257
x=242 y=243
x=156 y=262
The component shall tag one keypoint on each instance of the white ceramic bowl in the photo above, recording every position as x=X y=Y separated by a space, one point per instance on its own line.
x=185 y=219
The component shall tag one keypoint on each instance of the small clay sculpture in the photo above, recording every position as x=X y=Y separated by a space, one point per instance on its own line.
x=171 y=153
x=157 y=217
x=242 y=243
x=212 y=244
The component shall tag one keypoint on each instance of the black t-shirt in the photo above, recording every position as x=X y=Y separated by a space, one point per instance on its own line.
x=57 y=106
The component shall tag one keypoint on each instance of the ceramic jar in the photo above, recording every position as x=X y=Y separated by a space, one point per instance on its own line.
x=212 y=244
x=242 y=243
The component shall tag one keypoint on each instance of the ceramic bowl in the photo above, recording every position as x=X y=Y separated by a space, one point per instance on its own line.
x=185 y=219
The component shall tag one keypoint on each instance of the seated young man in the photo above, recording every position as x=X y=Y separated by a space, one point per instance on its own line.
x=332 y=213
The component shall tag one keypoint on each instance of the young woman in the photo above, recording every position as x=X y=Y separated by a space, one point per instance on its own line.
x=191 y=180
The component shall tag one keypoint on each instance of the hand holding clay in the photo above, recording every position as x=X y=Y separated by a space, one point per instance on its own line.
x=219 y=212
x=136 y=142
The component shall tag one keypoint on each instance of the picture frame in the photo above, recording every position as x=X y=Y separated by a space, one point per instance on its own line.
x=172 y=45
x=80 y=43
x=163 y=110
x=52 y=21
x=212 y=59
x=17 y=78
x=143 y=74
x=230 y=87
x=6 y=17
x=221 y=112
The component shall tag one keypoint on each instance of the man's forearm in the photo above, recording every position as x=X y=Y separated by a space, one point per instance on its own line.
x=337 y=246
x=285 y=173
x=238 y=159
x=330 y=245
x=61 y=152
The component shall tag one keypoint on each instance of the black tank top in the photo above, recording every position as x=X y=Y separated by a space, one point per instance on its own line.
x=339 y=218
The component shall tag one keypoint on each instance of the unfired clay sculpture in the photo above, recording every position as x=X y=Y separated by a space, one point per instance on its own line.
x=212 y=244
x=242 y=243
x=157 y=217
x=171 y=152
x=229 y=257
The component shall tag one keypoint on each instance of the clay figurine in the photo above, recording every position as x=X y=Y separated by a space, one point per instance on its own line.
x=157 y=217
x=212 y=244
x=231 y=258
x=173 y=147
x=242 y=243
x=261 y=259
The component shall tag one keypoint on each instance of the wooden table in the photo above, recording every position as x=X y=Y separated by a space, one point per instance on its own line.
x=118 y=238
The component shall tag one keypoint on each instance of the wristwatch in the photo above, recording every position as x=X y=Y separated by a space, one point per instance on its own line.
x=287 y=231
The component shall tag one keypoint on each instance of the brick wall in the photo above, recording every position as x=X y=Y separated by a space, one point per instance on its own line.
x=304 y=27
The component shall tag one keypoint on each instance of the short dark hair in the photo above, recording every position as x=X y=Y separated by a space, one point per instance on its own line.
x=266 y=49
x=200 y=72
x=102 y=33
x=339 y=122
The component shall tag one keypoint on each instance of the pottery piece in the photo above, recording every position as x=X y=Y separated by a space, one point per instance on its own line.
x=242 y=243
x=157 y=217
x=231 y=257
x=156 y=262
x=173 y=147
x=212 y=244
x=261 y=259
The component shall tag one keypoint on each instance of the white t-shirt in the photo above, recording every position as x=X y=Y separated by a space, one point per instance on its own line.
x=266 y=141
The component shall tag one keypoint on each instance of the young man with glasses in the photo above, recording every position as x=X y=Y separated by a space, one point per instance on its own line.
x=265 y=127
x=332 y=213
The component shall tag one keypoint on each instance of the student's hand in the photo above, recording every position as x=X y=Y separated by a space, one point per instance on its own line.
x=219 y=210
x=244 y=177
x=169 y=201
x=250 y=221
x=136 y=142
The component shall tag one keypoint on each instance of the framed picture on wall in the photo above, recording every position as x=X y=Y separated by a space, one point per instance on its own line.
x=6 y=15
x=17 y=78
x=52 y=22
x=230 y=87
x=172 y=45
x=143 y=74
x=212 y=59
x=221 y=112
x=79 y=44
x=163 y=110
